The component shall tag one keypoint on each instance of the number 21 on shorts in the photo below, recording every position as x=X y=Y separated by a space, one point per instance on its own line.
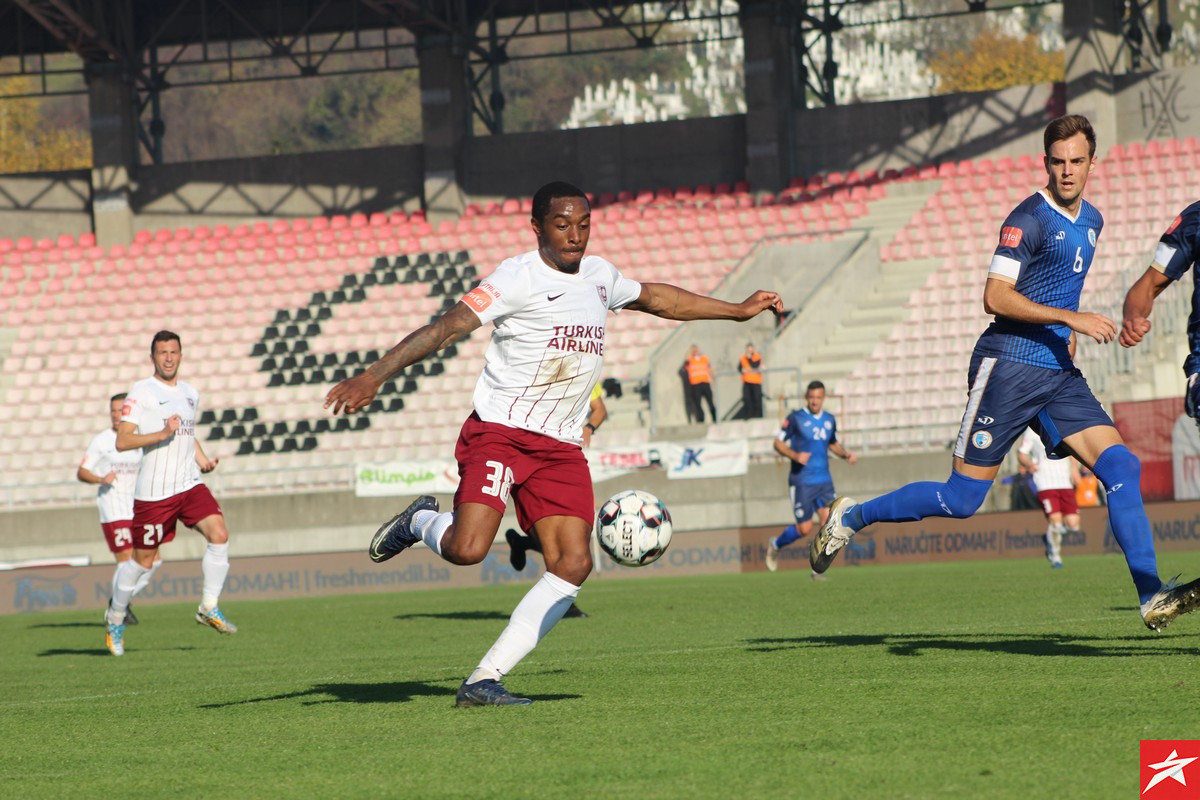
x=152 y=536
x=499 y=480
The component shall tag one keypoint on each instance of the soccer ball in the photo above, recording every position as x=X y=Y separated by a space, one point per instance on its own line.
x=635 y=528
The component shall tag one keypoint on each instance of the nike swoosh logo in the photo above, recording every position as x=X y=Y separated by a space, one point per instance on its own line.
x=552 y=298
x=163 y=402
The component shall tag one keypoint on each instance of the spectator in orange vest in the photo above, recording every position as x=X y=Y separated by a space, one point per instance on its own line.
x=1087 y=490
x=699 y=375
x=750 y=365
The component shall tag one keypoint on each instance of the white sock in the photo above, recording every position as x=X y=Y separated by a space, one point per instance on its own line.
x=214 y=566
x=538 y=612
x=144 y=581
x=432 y=526
x=128 y=574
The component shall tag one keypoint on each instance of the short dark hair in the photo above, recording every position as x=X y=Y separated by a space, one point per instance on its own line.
x=120 y=396
x=165 y=336
x=814 y=385
x=543 y=196
x=1067 y=126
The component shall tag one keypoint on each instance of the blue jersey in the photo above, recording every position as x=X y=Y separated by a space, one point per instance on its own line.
x=1177 y=251
x=805 y=432
x=1048 y=254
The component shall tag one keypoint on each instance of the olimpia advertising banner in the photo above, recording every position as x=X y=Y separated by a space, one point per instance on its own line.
x=681 y=460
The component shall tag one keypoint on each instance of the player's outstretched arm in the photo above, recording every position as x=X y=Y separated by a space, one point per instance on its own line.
x=671 y=302
x=357 y=392
x=1139 y=302
x=1002 y=299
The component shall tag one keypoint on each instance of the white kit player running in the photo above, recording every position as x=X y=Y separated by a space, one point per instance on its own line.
x=549 y=307
x=115 y=473
x=159 y=416
x=1055 y=479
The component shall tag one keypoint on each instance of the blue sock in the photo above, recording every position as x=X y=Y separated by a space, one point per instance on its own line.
x=958 y=497
x=789 y=535
x=1121 y=473
x=853 y=518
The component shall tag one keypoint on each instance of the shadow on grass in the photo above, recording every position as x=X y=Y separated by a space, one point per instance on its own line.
x=350 y=693
x=98 y=625
x=1050 y=644
x=368 y=693
x=101 y=651
x=458 y=615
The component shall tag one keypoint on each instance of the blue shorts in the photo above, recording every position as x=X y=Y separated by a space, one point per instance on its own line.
x=807 y=498
x=1191 y=400
x=1006 y=398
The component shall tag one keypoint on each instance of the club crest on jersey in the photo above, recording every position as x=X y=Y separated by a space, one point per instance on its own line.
x=600 y=290
x=981 y=439
x=1092 y=236
x=1010 y=236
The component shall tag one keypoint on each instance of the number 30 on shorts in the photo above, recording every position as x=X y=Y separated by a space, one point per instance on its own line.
x=499 y=480
x=153 y=535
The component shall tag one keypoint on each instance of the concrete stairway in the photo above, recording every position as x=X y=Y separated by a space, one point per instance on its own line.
x=863 y=302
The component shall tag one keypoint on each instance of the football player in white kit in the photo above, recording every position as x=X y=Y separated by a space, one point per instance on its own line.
x=549 y=307
x=159 y=416
x=114 y=473
x=1055 y=479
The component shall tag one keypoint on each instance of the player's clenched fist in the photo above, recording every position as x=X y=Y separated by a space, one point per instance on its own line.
x=1133 y=331
x=352 y=394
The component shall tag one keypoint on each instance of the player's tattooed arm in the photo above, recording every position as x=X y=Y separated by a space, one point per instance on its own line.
x=672 y=302
x=357 y=392
x=1139 y=302
x=1002 y=299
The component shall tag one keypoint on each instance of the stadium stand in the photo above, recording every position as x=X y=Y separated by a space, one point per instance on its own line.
x=910 y=391
x=272 y=313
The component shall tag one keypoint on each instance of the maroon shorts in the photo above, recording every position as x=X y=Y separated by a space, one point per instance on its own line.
x=118 y=535
x=1058 y=501
x=545 y=477
x=154 y=520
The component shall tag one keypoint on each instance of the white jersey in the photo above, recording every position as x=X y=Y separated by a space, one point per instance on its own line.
x=168 y=468
x=114 y=499
x=548 y=342
x=1052 y=473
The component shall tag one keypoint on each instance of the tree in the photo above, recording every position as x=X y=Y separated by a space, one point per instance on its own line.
x=28 y=142
x=994 y=61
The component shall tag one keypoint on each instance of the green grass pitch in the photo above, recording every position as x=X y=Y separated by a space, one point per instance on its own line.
x=959 y=680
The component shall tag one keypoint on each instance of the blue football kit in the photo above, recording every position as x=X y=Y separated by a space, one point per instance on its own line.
x=1020 y=375
x=810 y=485
x=1178 y=249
